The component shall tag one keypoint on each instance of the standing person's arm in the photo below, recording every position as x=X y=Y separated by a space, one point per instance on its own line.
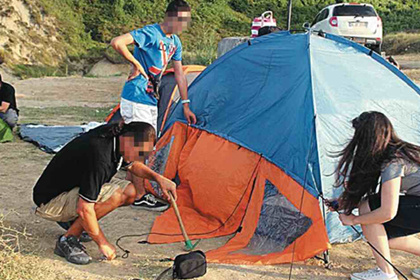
x=120 y=44
x=183 y=91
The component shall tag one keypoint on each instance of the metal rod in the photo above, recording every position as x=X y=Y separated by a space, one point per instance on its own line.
x=289 y=15
x=324 y=214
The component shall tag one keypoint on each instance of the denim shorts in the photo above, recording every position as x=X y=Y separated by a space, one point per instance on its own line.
x=10 y=117
x=407 y=221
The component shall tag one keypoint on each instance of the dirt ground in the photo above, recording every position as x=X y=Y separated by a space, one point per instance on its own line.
x=22 y=163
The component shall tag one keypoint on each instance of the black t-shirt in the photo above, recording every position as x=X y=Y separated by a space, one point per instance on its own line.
x=7 y=94
x=87 y=162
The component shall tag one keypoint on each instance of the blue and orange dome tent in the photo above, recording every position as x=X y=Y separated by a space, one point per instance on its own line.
x=270 y=113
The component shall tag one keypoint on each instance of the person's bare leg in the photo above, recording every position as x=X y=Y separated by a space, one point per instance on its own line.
x=138 y=184
x=409 y=244
x=118 y=198
x=377 y=236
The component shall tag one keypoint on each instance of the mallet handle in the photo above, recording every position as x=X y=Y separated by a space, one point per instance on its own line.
x=178 y=216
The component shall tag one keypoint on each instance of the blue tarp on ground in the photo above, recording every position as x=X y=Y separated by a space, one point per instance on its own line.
x=52 y=138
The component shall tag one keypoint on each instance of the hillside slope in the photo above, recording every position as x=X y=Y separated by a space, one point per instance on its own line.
x=50 y=32
x=29 y=36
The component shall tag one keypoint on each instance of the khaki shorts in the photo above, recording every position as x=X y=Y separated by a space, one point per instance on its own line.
x=63 y=208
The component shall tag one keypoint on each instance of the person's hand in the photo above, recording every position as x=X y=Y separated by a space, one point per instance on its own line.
x=109 y=251
x=136 y=70
x=189 y=116
x=347 y=220
x=334 y=204
x=167 y=186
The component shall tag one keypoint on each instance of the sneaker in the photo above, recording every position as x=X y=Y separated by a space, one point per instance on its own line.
x=373 y=274
x=84 y=237
x=72 y=250
x=151 y=203
x=416 y=273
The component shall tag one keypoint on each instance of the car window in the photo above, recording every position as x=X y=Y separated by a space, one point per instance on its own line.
x=354 y=10
x=321 y=16
x=324 y=14
x=316 y=20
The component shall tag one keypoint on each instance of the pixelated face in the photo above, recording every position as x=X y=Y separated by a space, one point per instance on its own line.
x=133 y=149
x=178 y=21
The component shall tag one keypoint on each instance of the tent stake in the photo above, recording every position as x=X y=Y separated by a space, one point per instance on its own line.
x=188 y=244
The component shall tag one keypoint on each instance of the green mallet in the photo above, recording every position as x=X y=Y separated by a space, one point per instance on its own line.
x=189 y=246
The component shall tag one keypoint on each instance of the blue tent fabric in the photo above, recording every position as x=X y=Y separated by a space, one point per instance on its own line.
x=347 y=82
x=274 y=85
x=346 y=89
x=291 y=97
x=52 y=139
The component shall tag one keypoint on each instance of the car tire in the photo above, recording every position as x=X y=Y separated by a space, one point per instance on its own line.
x=377 y=48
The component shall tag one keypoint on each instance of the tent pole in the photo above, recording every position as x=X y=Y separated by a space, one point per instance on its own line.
x=165 y=117
x=326 y=252
x=289 y=14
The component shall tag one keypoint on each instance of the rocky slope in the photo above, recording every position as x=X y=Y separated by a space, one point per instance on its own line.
x=28 y=36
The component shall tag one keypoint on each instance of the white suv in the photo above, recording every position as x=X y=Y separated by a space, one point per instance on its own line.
x=357 y=22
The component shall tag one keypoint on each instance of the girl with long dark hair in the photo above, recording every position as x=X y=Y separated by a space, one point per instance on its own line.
x=380 y=174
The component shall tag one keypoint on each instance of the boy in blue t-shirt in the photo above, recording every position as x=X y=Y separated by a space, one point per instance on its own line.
x=155 y=46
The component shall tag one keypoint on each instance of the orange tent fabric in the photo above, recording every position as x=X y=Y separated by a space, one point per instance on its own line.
x=221 y=192
x=314 y=241
x=212 y=172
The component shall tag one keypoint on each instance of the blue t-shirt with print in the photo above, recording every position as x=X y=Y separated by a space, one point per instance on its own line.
x=154 y=50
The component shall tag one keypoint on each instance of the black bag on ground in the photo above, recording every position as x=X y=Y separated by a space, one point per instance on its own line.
x=191 y=265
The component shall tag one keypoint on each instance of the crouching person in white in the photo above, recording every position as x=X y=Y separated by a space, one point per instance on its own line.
x=78 y=185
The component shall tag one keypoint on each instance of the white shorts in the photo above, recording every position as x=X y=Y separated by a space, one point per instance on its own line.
x=137 y=112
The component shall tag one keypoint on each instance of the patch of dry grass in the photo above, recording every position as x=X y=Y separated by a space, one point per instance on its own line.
x=402 y=43
x=15 y=262
x=413 y=74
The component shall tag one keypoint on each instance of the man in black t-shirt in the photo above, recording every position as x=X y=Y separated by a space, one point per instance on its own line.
x=8 y=109
x=78 y=183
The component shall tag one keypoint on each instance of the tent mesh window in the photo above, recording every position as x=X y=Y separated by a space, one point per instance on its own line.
x=280 y=224
x=157 y=162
